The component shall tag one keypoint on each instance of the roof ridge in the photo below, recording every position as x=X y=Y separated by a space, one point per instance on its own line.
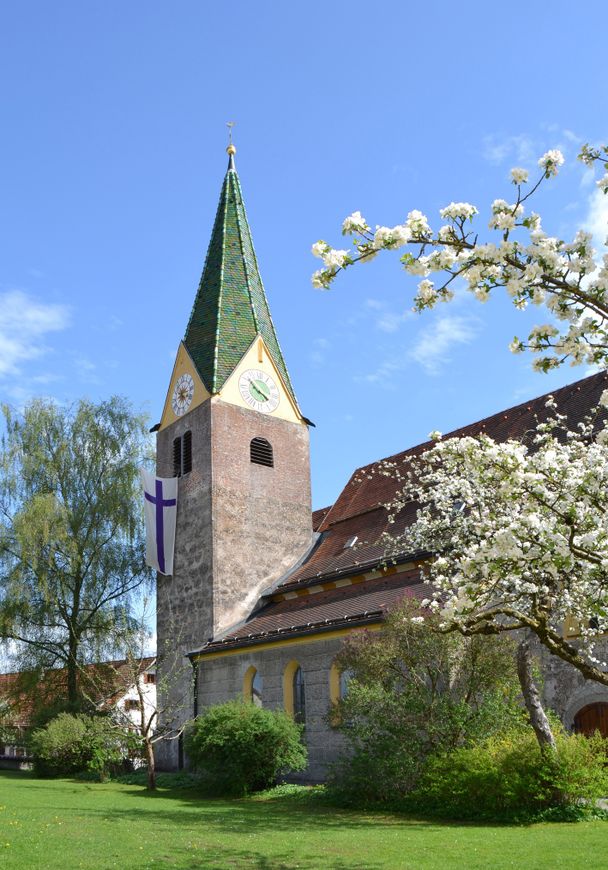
x=221 y=282
x=245 y=267
x=483 y=420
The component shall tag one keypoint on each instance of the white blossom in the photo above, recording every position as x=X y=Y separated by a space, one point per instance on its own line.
x=551 y=161
x=532 y=532
x=354 y=223
x=519 y=176
x=533 y=266
x=458 y=210
x=334 y=259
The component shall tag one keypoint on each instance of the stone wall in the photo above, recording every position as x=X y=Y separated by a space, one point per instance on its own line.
x=565 y=690
x=240 y=526
x=184 y=608
x=221 y=679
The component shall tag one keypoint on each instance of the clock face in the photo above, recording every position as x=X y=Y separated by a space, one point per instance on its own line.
x=259 y=391
x=182 y=395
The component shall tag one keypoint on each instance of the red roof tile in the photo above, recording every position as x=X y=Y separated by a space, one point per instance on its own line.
x=356 y=603
x=359 y=512
x=318 y=516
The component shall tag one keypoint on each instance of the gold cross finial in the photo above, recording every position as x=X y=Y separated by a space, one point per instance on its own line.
x=230 y=149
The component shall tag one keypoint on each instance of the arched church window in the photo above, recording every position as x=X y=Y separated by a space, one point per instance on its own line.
x=299 y=698
x=182 y=454
x=261 y=452
x=294 y=698
x=338 y=683
x=253 y=686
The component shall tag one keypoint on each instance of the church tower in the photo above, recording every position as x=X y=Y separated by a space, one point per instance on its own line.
x=232 y=431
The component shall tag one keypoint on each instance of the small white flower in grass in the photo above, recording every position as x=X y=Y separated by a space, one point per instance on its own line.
x=518 y=175
x=417 y=620
x=551 y=161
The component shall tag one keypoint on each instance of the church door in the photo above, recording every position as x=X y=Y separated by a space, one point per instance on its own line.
x=593 y=717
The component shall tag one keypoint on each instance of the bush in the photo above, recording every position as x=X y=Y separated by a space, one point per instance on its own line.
x=240 y=748
x=74 y=743
x=507 y=777
x=416 y=692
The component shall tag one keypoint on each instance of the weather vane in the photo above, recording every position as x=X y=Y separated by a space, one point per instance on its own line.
x=231 y=150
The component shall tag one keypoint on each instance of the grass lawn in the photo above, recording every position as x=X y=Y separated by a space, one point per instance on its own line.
x=66 y=824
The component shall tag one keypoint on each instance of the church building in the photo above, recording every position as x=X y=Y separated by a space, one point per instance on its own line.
x=263 y=590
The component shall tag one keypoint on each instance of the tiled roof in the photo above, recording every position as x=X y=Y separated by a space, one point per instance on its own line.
x=358 y=510
x=356 y=604
x=318 y=516
x=230 y=308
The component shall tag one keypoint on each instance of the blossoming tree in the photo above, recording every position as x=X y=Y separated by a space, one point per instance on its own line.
x=519 y=256
x=521 y=533
x=519 y=529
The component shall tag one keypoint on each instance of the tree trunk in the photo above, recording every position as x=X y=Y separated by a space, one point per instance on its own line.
x=72 y=669
x=538 y=718
x=151 y=767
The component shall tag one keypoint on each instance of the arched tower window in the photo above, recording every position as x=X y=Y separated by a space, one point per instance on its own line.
x=261 y=452
x=253 y=687
x=182 y=454
x=294 y=695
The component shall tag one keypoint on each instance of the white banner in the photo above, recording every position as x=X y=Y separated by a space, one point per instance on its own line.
x=160 y=510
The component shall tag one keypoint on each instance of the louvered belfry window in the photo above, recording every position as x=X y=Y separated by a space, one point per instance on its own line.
x=187 y=452
x=182 y=454
x=177 y=457
x=261 y=452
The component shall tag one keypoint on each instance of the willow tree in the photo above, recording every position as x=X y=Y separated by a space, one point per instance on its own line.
x=71 y=536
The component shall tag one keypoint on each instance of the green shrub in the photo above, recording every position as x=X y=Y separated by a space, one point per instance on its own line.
x=415 y=692
x=74 y=743
x=507 y=777
x=240 y=748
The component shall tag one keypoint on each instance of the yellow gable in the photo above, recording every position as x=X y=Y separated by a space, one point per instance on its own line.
x=258 y=358
x=183 y=366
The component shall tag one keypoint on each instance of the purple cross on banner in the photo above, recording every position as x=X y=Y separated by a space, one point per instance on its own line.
x=160 y=511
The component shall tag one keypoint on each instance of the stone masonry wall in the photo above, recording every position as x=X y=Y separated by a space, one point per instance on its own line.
x=565 y=690
x=221 y=679
x=185 y=600
x=240 y=526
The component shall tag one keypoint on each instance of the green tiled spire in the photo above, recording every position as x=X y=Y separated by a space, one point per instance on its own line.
x=230 y=308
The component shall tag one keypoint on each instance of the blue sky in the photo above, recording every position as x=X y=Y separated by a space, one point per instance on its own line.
x=112 y=158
